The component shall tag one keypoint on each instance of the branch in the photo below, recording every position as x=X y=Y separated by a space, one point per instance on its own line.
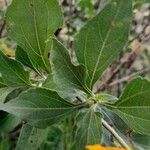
x=2 y=29
x=124 y=64
x=129 y=77
x=116 y=135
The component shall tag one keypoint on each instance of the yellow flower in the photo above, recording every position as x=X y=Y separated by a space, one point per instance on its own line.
x=98 y=147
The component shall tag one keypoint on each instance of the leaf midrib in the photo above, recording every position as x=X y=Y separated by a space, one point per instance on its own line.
x=37 y=35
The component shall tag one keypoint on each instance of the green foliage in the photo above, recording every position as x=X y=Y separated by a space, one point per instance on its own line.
x=62 y=87
x=31 y=28
x=39 y=107
x=89 y=129
x=4 y=93
x=13 y=73
x=23 y=57
x=96 y=46
x=86 y=5
x=68 y=78
x=31 y=138
x=134 y=104
x=8 y=122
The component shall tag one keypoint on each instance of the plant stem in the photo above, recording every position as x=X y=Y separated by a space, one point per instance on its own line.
x=115 y=134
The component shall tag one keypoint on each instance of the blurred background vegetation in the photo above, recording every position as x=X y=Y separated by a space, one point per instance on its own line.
x=133 y=61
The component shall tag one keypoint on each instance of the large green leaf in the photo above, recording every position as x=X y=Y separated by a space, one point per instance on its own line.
x=39 y=107
x=12 y=72
x=31 y=23
x=101 y=40
x=68 y=78
x=134 y=105
x=31 y=138
x=89 y=129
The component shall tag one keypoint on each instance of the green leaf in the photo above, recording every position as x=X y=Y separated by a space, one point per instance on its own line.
x=89 y=130
x=50 y=84
x=4 y=93
x=101 y=40
x=142 y=141
x=23 y=57
x=39 y=107
x=69 y=79
x=31 y=23
x=31 y=138
x=134 y=105
x=7 y=122
x=5 y=144
x=103 y=97
x=2 y=84
x=87 y=5
x=12 y=72
x=54 y=140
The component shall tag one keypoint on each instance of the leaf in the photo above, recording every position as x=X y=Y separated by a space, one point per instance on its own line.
x=2 y=84
x=103 y=97
x=98 y=147
x=87 y=5
x=31 y=138
x=54 y=140
x=5 y=144
x=39 y=107
x=13 y=73
x=141 y=141
x=101 y=40
x=69 y=79
x=50 y=84
x=7 y=122
x=89 y=129
x=134 y=105
x=31 y=23
x=23 y=57
x=4 y=93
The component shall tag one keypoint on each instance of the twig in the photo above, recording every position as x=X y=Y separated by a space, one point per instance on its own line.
x=130 y=77
x=116 y=135
x=125 y=64
x=6 y=3
x=2 y=29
